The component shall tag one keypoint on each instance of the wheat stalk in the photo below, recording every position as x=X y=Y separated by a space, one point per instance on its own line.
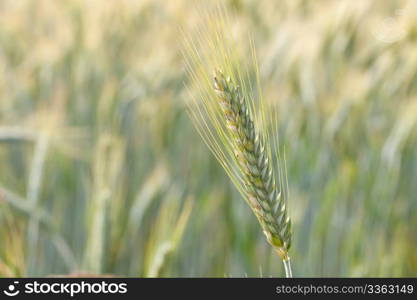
x=238 y=129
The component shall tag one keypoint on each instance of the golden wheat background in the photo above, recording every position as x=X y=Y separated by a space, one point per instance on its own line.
x=101 y=170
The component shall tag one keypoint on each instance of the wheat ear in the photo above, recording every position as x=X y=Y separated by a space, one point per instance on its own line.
x=232 y=118
x=259 y=185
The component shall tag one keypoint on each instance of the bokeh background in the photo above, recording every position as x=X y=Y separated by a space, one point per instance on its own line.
x=102 y=172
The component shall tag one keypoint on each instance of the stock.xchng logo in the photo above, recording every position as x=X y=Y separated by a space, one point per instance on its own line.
x=66 y=288
x=12 y=290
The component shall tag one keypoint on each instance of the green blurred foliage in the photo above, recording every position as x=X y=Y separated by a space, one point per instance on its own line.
x=102 y=172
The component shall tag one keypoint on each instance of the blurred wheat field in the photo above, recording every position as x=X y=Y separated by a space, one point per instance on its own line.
x=101 y=170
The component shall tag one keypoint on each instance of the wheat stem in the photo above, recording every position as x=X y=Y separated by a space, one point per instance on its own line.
x=287 y=267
